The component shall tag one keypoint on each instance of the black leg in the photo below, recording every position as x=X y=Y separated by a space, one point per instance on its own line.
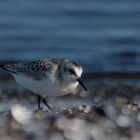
x=39 y=100
x=45 y=102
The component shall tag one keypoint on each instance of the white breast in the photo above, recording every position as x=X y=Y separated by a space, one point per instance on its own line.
x=45 y=87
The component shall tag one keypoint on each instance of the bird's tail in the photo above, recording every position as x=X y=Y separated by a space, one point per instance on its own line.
x=2 y=66
x=6 y=68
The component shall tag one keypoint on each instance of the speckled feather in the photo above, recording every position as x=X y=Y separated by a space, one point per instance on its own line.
x=47 y=77
x=35 y=69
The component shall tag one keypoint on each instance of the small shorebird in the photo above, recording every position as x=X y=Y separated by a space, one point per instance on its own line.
x=47 y=77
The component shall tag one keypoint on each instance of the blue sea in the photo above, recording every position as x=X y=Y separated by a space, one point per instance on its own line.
x=102 y=35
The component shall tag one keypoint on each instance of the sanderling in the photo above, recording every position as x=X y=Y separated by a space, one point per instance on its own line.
x=47 y=77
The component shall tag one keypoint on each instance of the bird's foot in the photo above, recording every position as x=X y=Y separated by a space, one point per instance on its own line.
x=43 y=99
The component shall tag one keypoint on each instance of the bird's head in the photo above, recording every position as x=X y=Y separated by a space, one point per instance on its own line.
x=71 y=72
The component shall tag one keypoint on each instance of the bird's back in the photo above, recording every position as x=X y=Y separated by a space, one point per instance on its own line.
x=34 y=69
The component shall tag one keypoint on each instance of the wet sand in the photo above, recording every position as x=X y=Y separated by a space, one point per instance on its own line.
x=110 y=110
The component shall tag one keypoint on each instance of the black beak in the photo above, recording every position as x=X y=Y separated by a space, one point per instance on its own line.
x=81 y=83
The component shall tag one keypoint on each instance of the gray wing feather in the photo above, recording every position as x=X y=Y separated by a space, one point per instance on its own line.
x=36 y=69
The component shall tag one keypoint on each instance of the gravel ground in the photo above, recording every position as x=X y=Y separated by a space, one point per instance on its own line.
x=110 y=110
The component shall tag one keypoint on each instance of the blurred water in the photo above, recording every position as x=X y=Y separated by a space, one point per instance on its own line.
x=102 y=35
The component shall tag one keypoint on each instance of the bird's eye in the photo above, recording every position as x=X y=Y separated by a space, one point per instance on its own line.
x=72 y=71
